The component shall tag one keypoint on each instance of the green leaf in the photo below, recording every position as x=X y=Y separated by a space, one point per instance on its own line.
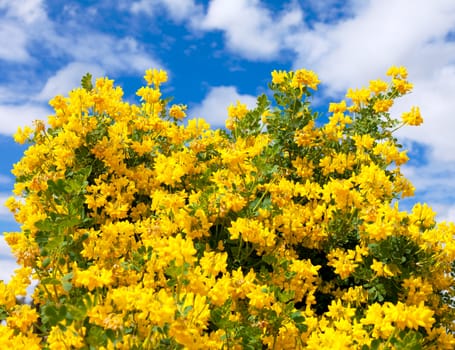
x=50 y=280
x=86 y=82
x=299 y=321
x=96 y=336
x=67 y=286
x=46 y=262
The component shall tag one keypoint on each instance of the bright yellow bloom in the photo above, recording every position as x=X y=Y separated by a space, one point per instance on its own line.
x=93 y=277
x=338 y=107
x=22 y=318
x=343 y=262
x=395 y=71
x=359 y=96
x=149 y=94
x=177 y=111
x=237 y=111
x=329 y=339
x=169 y=170
x=260 y=297
x=190 y=237
x=10 y=339
x=422 y=214
x=23 y=134
x=68 y=337
x=378 y=86
x=279 y=77
x=155 y=77
x=303 y=77
x=384 y=270
x=382 y=106
x=413 y=117
x=252 y=231
x=402 y=85
x=338 y=311
x=418 y=290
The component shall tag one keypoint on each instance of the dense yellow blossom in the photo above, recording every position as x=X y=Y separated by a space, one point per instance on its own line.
x=144 y=231
x=303 y=77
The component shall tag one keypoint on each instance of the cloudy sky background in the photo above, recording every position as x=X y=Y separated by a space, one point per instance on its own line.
x=220 y=51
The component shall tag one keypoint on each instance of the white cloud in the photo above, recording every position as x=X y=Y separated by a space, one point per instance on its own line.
x=13 y=116
x=251 y=30
x=178 y=10
x=26 y=25
x=8 y=264
x=435 y=178
x=435 y=186
x=446 y=213
x=17 y=26
x=110 y=53
x=350 y=51
x=213 y=108
x=84 y=49
x=380 y=34
x=12 y=49
x=67 y=79
x=331 y=10
x=28 y=11
x=7 y=261
x=353 y=51
x=434 y=95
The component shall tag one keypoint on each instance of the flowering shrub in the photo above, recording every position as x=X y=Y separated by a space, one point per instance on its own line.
x=280 y=232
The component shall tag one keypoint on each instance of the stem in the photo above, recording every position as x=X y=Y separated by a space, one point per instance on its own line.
x=397 y=128
x=44 y=286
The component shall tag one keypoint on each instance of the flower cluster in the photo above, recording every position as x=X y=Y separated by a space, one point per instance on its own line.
x=281 y=232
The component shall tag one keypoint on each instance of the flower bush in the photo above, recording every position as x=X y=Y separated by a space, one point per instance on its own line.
x=278 y=232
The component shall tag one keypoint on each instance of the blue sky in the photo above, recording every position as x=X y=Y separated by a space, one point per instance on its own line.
x=220 y=51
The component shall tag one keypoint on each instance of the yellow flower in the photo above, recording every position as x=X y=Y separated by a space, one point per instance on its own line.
x=260 y=297
x=413 y=117
x=238 y=111
x=378 y=86
x=382 y=106
x=149 y=94
x=384 y=270
x=169 y=170
x=343 y=262
x=329 y=339
x=155 y=76
x=402 y=85
x=356 y=295
x=220 y=291
x=279 y=77
x=93 y=277
x=22 y=318
x=303 y=77
x=338 y=107
x=66 y=337
x=395 y=71
x=252 y=231
x=422 y=214
x=213 y=263
x=418 y=290
x=338 y=311
x=359 y=96
x=23 y=134
x=177 y=111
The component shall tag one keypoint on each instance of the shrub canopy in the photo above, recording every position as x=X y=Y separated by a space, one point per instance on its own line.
x=280 y=231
